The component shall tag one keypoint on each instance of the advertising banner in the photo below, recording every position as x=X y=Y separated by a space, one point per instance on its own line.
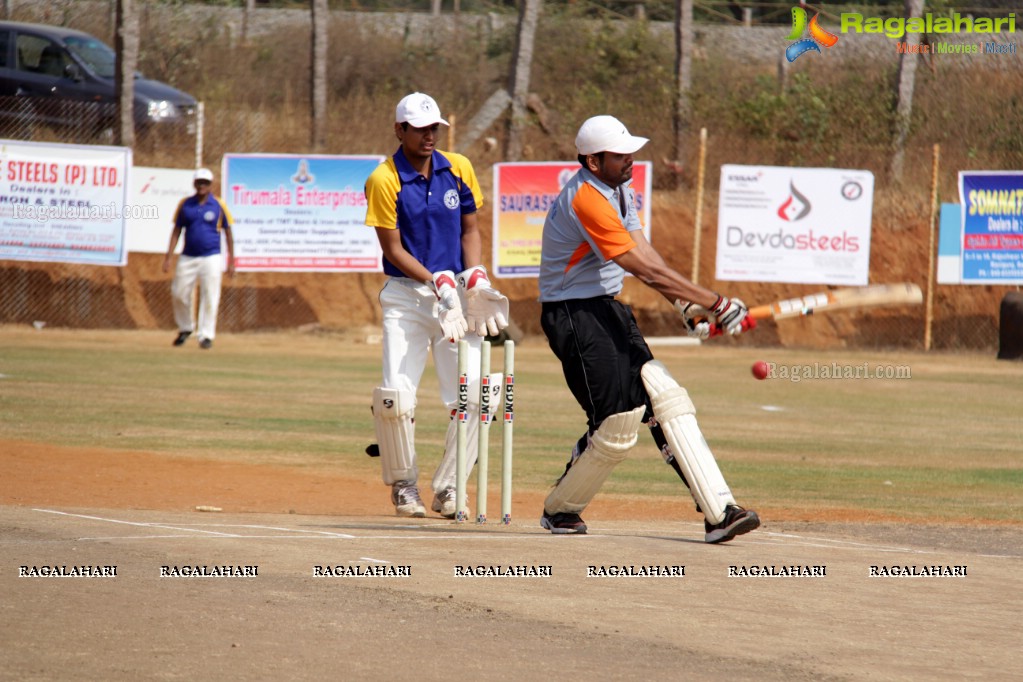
x=523 y=192
x=796 y=225
x=992 y=227
x=64 y=203
x=300 y=213
x=159 y=190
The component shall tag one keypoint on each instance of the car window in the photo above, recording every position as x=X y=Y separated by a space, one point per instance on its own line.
x=39 y=55
x=95 y=53
x=4 y=42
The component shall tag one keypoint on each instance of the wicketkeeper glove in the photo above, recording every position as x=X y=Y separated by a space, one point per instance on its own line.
x=695 y=317
x=486 y=307
x=449 y=306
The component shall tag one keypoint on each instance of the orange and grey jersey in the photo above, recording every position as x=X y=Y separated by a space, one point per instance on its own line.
x=588 y=225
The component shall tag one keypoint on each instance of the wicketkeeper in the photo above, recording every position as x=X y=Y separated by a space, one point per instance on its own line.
x=592 y=236
x=423 y=204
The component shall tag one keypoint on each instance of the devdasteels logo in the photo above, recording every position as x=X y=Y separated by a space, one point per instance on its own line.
x=796 y=207
x=818 y=36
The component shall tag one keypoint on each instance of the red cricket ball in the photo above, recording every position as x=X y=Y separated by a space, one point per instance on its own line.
x=760 y=369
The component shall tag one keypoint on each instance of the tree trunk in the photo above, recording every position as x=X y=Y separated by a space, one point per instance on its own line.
x=320 y=22
x=250 y=7
x=904 y=92
x=522 y=61
x=126 y=44
x=683 y=78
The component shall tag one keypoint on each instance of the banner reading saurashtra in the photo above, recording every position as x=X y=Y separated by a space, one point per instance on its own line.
x=992 y=226
x=523 y=192
x=63 y=203
x=300 y=213
x=797 y=225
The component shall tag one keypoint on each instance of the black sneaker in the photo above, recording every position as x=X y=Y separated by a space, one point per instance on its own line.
x=564 y=523
x=205 y=344
x=737 y=521
x=182 y=336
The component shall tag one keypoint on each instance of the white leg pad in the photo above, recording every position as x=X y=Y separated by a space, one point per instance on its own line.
x=677 y=416
x=608 y=446
x=444 y=477
x=393 y=415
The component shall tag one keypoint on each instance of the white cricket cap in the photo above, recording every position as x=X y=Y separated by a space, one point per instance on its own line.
x=419 y=110
x=606 y=134
x=203 y=174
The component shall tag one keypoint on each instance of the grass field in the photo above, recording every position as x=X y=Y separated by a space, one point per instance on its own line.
x=939 y=441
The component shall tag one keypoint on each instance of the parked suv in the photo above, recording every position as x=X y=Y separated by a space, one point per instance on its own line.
x=64 y=78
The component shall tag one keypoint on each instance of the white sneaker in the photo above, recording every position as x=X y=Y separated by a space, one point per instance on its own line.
x=444 y=503
x=405 y=496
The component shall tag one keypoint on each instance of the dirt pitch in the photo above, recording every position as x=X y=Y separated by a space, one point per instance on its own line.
x=68 y=506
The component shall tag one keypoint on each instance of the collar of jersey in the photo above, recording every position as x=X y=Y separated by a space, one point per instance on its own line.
x=407 y=173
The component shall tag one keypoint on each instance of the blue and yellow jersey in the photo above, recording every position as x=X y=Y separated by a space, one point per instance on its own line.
x=202 y=223
x=427 y=211
x=588 y=226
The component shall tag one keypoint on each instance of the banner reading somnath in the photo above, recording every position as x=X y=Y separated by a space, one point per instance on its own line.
x=523 y=192
x=797 y=225
x=992 y=227
x=63 y=203
x=300 y=213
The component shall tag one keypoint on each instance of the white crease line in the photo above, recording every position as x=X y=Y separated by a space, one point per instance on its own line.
x=136 y=523
x=375 y=561
x=285 y=530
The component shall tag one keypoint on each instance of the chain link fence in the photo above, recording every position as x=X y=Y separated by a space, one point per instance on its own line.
x=138 y=295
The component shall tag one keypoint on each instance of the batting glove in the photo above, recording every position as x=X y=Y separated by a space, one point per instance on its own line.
x=731 y=315
x=449 y=306
x=486 y=307
x=695 y=317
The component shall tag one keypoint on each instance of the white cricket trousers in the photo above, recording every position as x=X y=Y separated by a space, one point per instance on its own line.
x=206 y=271
x=411 y=329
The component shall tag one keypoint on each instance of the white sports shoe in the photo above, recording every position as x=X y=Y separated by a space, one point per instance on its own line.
x=444 y=503
x=405 y=496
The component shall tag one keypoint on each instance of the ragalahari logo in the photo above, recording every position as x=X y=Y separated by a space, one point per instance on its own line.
x=818 y=36
x=796 y=207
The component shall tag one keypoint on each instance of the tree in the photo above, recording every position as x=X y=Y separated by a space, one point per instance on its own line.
x=522 y=61
x=683 y=75
x=905 y=84
x=320 y=17
x=126 y=45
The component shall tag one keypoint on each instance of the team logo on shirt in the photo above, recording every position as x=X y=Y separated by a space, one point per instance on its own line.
x=209 y=216
x=451 y=199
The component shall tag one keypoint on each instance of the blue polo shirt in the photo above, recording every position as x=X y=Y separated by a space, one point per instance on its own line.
x=427 y=211
x=202 y=224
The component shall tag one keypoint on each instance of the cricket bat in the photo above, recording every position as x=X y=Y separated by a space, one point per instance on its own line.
x=871 y=296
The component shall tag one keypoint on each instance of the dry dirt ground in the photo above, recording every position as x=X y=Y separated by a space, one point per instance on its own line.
x=68 y=507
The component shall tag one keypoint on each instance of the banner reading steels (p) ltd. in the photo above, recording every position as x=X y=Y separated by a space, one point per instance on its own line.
x=797 y=225
x=63 y=203
x=297 y=213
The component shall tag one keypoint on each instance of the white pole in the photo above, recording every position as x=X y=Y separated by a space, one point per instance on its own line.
x=509 y=414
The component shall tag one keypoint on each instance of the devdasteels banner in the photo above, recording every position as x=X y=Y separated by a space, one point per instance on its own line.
x=796 y=225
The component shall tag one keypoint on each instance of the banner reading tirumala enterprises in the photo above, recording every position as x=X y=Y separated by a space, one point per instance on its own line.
x=63 y=203
x=523 y=192
x=992 y=226
x=799 y=225
x=300 y=213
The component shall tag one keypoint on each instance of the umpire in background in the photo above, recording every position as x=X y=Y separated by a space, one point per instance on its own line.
x=202 y=217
